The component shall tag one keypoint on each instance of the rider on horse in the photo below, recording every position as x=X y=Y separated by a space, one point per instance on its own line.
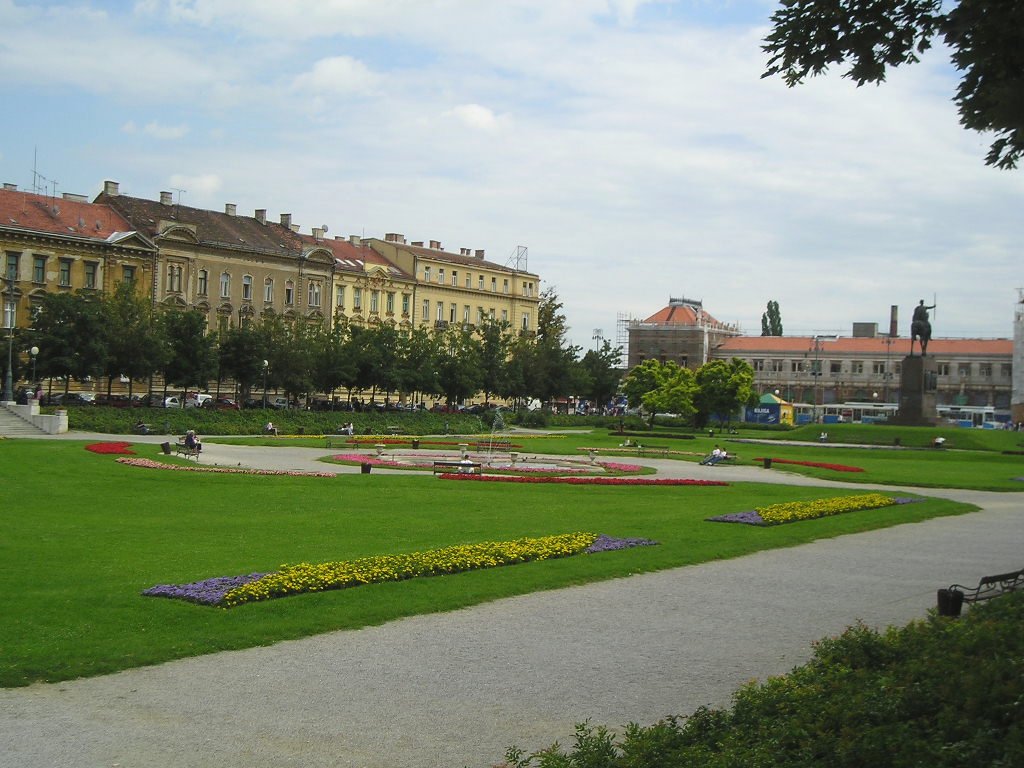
x=921 y=327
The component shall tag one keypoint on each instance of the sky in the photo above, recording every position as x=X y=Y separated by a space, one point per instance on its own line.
x=630 y=146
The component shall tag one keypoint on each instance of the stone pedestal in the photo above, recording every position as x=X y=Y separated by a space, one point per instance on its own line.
x=918 y=380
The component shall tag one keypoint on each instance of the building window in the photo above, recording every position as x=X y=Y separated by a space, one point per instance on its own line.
x=480 y=283
x=128 y=275
x=504 y=286
x=174 y=278
x=375 y=301
x=247 y=287
x=451 y=313
x=526 y=321
x=389 y=302
x=504 y=316
x=757 y=365
x=777 y=366
x=339 y=296
x=440 y=311
x=38 y=269
x=878 y=367
x=856 y=367
x=836 y=367
x=313 y=293
x=469 y=280
x=426 y=310
x=494 y=285
x=943 y=369
x=963 y=369
x=440 y=276
x=490 y=313
x=268 y=290
x=203 y=282
x=455 y=279
x=289 y=292
x=12 y=267
x=426 y=274
x=406 y=300
x=64 y=276
x=90 y=274
x=985 y=370
x=795 y=366
x=1006 y=370
x=225 y=285
x=357 y=299
x=465 y=313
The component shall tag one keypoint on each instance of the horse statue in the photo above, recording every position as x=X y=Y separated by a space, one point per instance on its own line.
x=921 y=328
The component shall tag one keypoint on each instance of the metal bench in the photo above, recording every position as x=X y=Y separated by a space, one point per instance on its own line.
x=458 y=467
x=336 y=440
x=188 y=451
x=652 y=450
x=951 y=600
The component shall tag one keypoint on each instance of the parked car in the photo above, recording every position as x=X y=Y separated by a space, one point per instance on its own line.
x=197 y=400
x=74 y=398
x=220 y=404
x=278 y=402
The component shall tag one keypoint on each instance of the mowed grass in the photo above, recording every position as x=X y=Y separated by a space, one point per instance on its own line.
x=83 y=536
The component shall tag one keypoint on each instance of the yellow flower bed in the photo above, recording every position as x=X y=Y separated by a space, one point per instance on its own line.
x=807 y=510
x=317 y=577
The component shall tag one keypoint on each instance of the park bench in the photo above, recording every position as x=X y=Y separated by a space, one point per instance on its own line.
x=493 y=445
x=394 y=430
x=652 y=450
x=336 y=440
x=457 y=467
x=952 y=599
x=188 y=451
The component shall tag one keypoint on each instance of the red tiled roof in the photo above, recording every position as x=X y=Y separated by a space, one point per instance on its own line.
x=899 y=346
x=59 y=216
x=351 y=258
x=682 y=314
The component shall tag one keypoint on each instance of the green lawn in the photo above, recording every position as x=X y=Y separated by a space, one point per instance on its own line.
x=84 y=535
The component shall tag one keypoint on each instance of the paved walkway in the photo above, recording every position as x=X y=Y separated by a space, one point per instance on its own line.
x=455 y=689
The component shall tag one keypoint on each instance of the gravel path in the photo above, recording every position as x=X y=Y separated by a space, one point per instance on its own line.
x=456 y=689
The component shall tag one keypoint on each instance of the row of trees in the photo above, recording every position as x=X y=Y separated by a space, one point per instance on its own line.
x=84 y=335
x=715 y=391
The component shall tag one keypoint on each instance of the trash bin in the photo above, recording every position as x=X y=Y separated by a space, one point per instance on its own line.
x=415 y=443
x=951 y=601
x=166 y=448
x=301 y=431
x=365 y=468
x=896 y=441
x=767 y=462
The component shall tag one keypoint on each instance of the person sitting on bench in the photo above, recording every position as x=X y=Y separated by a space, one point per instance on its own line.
x=715 y=456
x=192 y=442
x=270 y=429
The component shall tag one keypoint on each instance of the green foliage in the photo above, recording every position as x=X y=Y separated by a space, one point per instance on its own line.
x=942 y=693
x=722 y=389
x=984 y=37
x=771 y=320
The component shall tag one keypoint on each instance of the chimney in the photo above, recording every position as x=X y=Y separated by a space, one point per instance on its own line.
x=286 y=220
x=417 y=243
x=894 y=327
x=394 y=237
x=480 y=253
x=318 y=234
x=166 y=198
x=355 y=240
x=435 y=245
x=8 y=187
x=464 y=251
x=230 y=208
x=111 y=188
x=75 y=198
x=261 y=215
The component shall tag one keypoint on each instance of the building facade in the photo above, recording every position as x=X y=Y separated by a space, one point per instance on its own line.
x=682 y=333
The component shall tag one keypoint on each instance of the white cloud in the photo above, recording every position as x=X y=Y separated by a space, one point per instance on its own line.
x=198 y=187
x=165 y=132
x=475 y=116
x=337 y=75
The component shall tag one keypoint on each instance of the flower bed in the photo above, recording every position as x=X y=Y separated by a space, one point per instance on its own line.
x=818 y=464
x=427 y=463
x=121 y=448
x=592 y=480
x=228 y=591
x=793 y=511
x=150 y=464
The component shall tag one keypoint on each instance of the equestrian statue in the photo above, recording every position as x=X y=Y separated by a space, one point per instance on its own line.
x=921 y=328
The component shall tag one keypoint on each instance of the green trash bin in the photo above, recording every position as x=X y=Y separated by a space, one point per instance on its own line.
x=365 y=468
x=767 y=463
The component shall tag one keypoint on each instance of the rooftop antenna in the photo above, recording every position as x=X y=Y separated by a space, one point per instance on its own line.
x=180 y=193
x=518 y=259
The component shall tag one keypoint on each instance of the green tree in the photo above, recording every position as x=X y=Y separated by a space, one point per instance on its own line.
x=603 y=374
x=191 y=360
x=984 y=37
x=494 y=351
x=69 y=331
x=660 y=388
x=458 y=364
x=771 y=321
x=553 y=372
x=331 y=367
x=241 y=354
x=722 y=389
x=135 y=346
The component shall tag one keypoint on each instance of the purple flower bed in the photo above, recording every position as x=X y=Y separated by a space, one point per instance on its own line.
x=749 y=518
x=205 y=592
x=608 y=544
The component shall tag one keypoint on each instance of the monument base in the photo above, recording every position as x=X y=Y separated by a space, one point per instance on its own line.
x=918 y=380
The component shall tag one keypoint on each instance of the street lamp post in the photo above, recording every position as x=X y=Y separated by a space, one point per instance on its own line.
x=9 y=312
x=35 y=353
x=266 y=367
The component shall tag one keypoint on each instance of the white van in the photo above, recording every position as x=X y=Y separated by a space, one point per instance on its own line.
x=197 y=400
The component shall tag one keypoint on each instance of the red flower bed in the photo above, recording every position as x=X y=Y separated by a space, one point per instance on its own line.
x=819 y=464
x=579 y=480
x=111 y=448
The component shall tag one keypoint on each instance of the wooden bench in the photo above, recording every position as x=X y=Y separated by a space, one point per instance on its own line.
x=952 y=599
x=493 y=445
x=394 y=430
x=458 y=467
x=188 y=451
x=653 y=450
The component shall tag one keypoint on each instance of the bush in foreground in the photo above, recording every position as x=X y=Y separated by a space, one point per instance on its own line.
x=943 y=693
